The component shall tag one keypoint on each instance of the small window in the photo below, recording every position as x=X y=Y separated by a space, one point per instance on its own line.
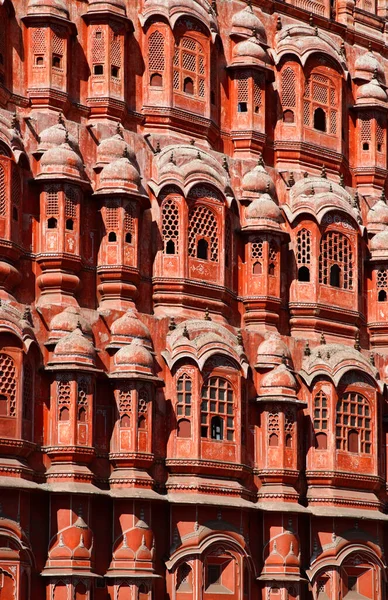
x=382 y=297
x=273 y=440
x=335 y=276
x=184 y=428
x=98 y=35
x=125 y=421
x=188 y=86
x=213 y=575
x=365 y=146
x=271 y=269
x=257 y=268
x=353 y=441
x=288 y=441
x=39 y=61
x=52 y=223
x=82 y=415
x=112 y=237
x=56 y=62
x=320 y=119
x=69 y=224
x=15 y=214
x=303 y=274
x=156 y=80
x=64 y=414
x=379 y=147
x=202 y=249
x=321 y=441
x=288 y=116
x=170 y=247
x=142 y=423
x=114 y=71
x=128 y=237
x=216 y=427
x=98 y=69
x=242 y=107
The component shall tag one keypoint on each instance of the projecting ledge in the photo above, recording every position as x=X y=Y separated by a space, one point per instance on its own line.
x=347 y=513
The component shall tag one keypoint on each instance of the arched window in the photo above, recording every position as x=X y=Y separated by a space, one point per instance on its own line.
x=382 y=285
x=63 y=399
x=320 y=420
x=112 y=237
x=80 y=591
x=189 y=68
x=217 y=401
x=320 y=104
x=184 y=579
x=52 y=223
x=336 y=251
x=257 y=256
x=203 y=226
x=115 y=54
x=125 y=421
x=184 y=428
x=64 y=414
x=170 y=226
x=98 y=51
x=304 y=274
x=129 y=224
x=353 y=425
x=288 y=94
x=273 y=429
x=7 y=386
x=142 y=409
x=303 y=254
x=202 y=249
x=156 y=58
x=184 y=391
x=125 y=405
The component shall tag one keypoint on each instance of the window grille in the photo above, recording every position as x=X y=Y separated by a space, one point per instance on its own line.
x=170 y=226
x=303 y=241
x=321 y=95
x=203 y=224
x=142 y=402
x=8 y=383
x=39 y=41
x=3 y=193
x=189 y=63
x=321 y=414
x=366 y=127
x=111 y=216
x=217 y=401
x=335 y=251
x=98 y=46
x=52 y=207
x=70 y=204
x=156 y=59
x=353 y=417
x=288 y=93
x=184 y=396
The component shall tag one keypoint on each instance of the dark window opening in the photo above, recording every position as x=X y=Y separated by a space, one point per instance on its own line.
x=98 y=69
x=114 y=71
x=3 y=405
x=125 y=421
x=288 y=116
x=321 y=441
x=273 y=440
x=365 y=146
x=242 y=107
x=142 y=423
x=213 y=575
x=188 y=86
x=70 y=224
x=353 y=441
x=379 y=147
x=98 y=35
x=203 y=431
x=212 y=98
x=128 y=238
x=112 y=237
x=271 y=269
x=39 y=61
x=382 y=297
x=202 y=249
x=319 y=119
x=156 y=80
x=15 y=214
x=217 y=426
x=257 y=108
x=56 y=61
x=288 y=441
x=64 y=414
x=52 y=223
x=257 y=268
x=184 y=428
x=82 y=415
x=170 y=247
x=335 y=276
x=352 y=583
x=303 y=274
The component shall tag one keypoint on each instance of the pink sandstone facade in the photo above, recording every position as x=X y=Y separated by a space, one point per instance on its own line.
x=194 y=300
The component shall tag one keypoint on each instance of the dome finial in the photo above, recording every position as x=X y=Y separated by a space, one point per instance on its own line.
x=172 y=324
x=323 y=172
x=207 y=316
x=260 y=161
x=357 y=345
x=61 y=119
x=382 y=196
x=323 y=339
x=356 y=200
x=119 y=130
x=186 y=332
x=291 y=179
x=172 y=160
x=307 y=350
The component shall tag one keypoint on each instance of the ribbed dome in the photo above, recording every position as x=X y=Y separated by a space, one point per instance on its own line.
x=372 y=91
x=55 y=136
x=74 y=347
x=272 y=350
x=67 y=321
x=129 y=327
x=134 y=357
x=116 y=6
x=264 y=208
x=120 y=174
x=48 y=7
x=280 y=377
x=257 y=181
x=250 y=49
x=367 y=65
x=61 y=161
x=380 y=241
x=112 y=149
x=244 y=22
x=377 y=217
x=74 y=542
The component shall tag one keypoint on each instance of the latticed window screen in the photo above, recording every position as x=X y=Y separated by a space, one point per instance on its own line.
x=63 y=399
x=380 y=135
x=58 y=49
x=115 y=49
x=70 y=203
x=3 y=193
x=336 y=252
x=142 y=402
x=272 y=253
x=257 y=249
x=16 y=188
x=189 y=64
x=203 y=225
x=217 y=401
x=382 y=279
x=98 y=46
x=52 y=206
x=170 y=225
x=39 y=44
x=320 y=412
x=111 y=216
x=129 y=222
x=320 y=93
x=125 y=404
x=7 y=386
x=366 y=127
x=243 y=86
x=303 y=242
x=184 y=390
x=156 y=52
x=288 y=91
x=256 y=91
x=353 y=417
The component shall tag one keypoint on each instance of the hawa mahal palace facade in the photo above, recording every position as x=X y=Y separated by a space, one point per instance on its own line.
x=193 y=300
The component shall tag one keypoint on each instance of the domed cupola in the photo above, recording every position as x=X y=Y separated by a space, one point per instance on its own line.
x=278 y=383
x=54 y=136
x=116 y=7
x=52 y=8
x=371 y=92
x=128 y=328
x=66 y=322
x=257 y=181
x=379 y=245
x=119 y=176
x=249 y=53
x=245 y=22
x=71 y=550
x=133 y=359
x=113 y=148
x=377 y=218
x=367 y=66
x=272 y=351
x=74 y=351
x=133 y=552
x=61 y=162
